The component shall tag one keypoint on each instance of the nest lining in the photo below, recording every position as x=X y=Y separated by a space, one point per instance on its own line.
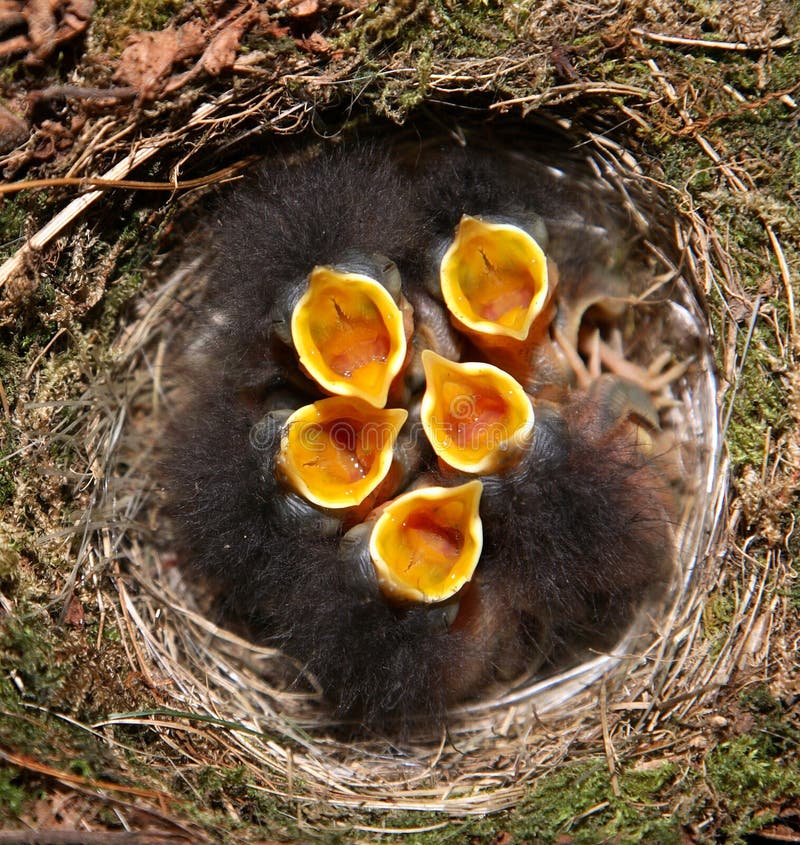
x=240 y=697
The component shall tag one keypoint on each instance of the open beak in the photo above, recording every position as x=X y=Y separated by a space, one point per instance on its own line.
x=425 y=544
x=337 y=451
x=476 y=416
x=350 y=335
x=494 y=279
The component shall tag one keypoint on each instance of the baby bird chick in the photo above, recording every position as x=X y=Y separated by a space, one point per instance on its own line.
x=306 y=292
x=234 y=518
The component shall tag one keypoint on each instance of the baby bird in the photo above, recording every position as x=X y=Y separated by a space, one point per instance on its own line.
x=525 y=239
x=274 y=553
x=304 y=470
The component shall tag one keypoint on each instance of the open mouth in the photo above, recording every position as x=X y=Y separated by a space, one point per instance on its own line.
x=425 y=545
x=337 y=451
x=476 y=416
x=494 y=278
x=349 y=335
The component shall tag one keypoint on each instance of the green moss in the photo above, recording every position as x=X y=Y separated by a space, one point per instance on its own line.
x=794 y=595
x=759 y=402
x=576 y=801
x=708 y=10
x=118 y=296
x=36 y=733
x=759 y=699
x=9 y=567
x=13 y=216
x=421 y=34
x=749 y=774
x=641 y=785
x=743 y=776
x=225 y=802
x=115 y=20
x=26 y=653
x=717 y=614
x=82 y=768
x=12 y=792
x=559 y=801
x=137 y=244
x=7 y=485
x=682 y=163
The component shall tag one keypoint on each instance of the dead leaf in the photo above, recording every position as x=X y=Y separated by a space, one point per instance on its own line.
x=82 y=9
x=41 y=20
x=783 y=829
x=10 y=15
x=315 y=43
x=743 y=722
x=275 y=30
x=17 y=44
x=266 y=25
x=563 y=65
x=304 y=8
x=221 y=52
x=77 y=16
x=148 y=57
x=192 y=39
x=50 y=139
x=52 y=22
x=75 y=614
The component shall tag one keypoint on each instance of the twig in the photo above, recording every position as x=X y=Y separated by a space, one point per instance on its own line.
x=31 y=765
x=786 y=277
x=44 y=352
x=107 y=184
x=16 y=262
x=667 y=704
x=78 y=92
x=745 y=351
x=575 y=88
x=611 y=756
x=745 y=105
x=739 y=46
x=4 y=402
x=88 y=837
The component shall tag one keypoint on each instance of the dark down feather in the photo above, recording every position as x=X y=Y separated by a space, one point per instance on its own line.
x=574 y=536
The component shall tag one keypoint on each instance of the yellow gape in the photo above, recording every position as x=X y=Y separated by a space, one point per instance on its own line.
x=425 y=544
x=494 y=278
x=349 y=335
x=476 y=416
x=337 y=451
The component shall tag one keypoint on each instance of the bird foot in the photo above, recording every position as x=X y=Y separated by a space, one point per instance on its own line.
x=654 y=378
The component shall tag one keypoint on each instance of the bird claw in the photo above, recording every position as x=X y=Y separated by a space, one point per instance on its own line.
x=654 y=378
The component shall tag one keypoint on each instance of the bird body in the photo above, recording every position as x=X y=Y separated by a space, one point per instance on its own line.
x=576 y=525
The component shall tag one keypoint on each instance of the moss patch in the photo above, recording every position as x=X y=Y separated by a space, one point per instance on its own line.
x=115 y=20
x=751 y=776
x=419 y=35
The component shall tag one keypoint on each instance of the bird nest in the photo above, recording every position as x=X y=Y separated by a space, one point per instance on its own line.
x=245 y=699
x=201 y=691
